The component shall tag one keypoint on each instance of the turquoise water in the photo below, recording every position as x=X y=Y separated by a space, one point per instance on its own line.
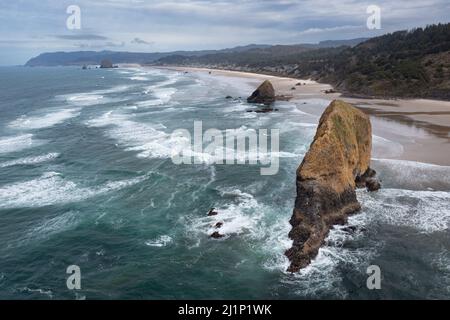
x=86 y=179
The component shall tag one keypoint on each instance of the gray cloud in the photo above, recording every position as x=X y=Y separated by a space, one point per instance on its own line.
x=168 y=25
x=140 y=41
x=99 y=45
x=79 y=37
x=115 y=44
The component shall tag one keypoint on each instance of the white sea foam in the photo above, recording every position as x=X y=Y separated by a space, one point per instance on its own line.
x=171 y=80
x=139 y=78
x=162 y=97
x=152 y=142
x=237 y=107
x=238 y=217
x=247 y=115
x=18 y=143
x=162 y=93
x=94 y=97
x=307 y=125
x=43 y=121
x=161 y=241
x=51 y=188
x=29 y=160
x=441 y=263
x=86 y=99
x=47 y=293
x=298 y=111
x=115 y=89
x=135 y=136
x=275 y=241
x=425 y=211
x=413 y=175
x=299 y=126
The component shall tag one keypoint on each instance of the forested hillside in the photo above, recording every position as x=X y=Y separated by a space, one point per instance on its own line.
x=413 y=63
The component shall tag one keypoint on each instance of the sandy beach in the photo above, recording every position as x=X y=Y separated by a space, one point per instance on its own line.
x=421 y=126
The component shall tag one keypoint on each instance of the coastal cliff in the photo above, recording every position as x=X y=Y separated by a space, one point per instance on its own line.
x=336 y=163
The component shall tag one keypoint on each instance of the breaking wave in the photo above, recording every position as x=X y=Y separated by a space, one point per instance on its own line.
x=18 y=143
x=45 y=121
x=29 y=160
x=51 y=189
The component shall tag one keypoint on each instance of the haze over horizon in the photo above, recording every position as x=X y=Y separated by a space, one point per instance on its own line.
x=32 y=27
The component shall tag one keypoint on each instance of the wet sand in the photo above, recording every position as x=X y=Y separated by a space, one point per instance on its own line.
x=421 y=126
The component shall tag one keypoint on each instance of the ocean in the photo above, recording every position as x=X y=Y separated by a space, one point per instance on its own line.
x=87 y=179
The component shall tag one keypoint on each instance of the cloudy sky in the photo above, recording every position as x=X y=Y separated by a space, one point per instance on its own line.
x=29 y=27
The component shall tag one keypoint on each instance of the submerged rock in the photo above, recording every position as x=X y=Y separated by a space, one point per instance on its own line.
x=264 y=94
x=211 y=212
x=368 y=180
x=216 y=235
x=326 y=179
x=263 y=110
x=373 y=184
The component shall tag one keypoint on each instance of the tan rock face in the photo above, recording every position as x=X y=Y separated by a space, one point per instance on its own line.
x=264 y=94
x=338 y=156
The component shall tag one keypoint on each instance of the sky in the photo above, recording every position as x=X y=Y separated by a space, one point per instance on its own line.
x=30 y=27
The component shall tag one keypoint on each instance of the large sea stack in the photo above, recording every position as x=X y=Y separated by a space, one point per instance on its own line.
x=337 y=162
x=264 y=94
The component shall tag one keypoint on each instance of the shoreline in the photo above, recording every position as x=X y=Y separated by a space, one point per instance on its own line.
x=421 y=126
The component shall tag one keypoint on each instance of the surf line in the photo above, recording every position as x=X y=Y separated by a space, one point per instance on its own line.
x=229 y=148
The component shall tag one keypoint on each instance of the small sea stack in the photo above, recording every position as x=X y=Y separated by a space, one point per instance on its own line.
x=212 y=212
x=337 y=162
x=106 y=64
x=265 y=94
x=217 y=235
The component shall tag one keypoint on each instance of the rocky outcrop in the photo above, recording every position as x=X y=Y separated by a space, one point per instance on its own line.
x=338 y=160
x=264 y=94
x=106 y=64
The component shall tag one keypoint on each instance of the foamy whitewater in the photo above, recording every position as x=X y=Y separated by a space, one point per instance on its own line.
x=86 y=178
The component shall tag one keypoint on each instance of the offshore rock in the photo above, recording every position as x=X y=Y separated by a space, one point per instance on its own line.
x=106 y=64
x=264 y=94
x=339 y=156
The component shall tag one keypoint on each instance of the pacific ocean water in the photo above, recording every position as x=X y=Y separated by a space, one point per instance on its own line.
x=86 y=179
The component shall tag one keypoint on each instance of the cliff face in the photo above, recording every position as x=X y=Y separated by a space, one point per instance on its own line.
x=338 y=157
